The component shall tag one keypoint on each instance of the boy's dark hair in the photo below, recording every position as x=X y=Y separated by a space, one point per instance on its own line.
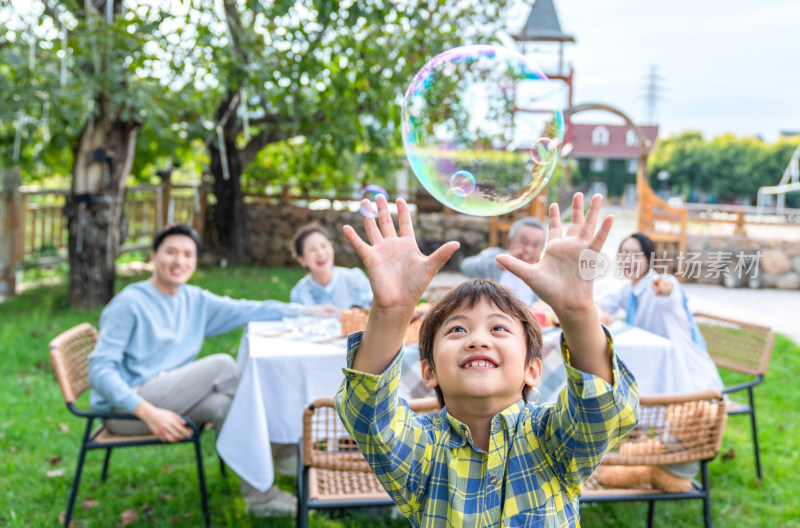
x=467 y=295
x=647 y=245
x=177 y=229
x=304 y=232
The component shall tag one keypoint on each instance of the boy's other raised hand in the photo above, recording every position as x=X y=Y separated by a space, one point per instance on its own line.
x=556 y=278
x=398 y=271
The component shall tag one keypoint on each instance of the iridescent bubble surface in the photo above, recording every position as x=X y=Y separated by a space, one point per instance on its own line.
x=464 y=141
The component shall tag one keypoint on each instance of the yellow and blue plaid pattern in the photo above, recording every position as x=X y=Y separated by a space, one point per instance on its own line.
x=538 y=459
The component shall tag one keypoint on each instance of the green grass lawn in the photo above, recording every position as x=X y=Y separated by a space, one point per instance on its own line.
x=38 y=436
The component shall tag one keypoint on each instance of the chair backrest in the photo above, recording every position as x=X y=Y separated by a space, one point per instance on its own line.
x=328 y=445
x=737 y=345
x=672 y=429
x=69 y=353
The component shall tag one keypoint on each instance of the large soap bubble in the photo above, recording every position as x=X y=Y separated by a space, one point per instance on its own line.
x=464 y=141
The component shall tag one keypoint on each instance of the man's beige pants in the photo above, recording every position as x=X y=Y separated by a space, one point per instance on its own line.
x=202 y=390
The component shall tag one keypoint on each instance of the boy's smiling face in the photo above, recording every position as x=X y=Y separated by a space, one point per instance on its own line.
x=479 y=356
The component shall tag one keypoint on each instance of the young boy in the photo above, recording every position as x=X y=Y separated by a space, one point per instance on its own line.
x=489 y=458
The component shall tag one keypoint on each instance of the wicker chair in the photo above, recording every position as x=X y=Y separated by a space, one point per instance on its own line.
x=332 y=472
x=742 y=347
x=69 y=355
x=672 y=429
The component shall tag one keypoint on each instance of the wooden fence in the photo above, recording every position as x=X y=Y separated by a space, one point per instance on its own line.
x=742 y=218
x=147 y=209
x=33 y=229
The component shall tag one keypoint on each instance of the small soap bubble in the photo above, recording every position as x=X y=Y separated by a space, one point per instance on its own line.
x=371 y=192
x=462 y=183
x=465 y=138
x=544 y=150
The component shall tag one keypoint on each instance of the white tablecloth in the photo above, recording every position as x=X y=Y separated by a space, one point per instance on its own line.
x=281 y=375
x=653 y=360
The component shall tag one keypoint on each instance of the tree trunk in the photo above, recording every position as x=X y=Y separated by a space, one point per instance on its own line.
x=103 y=159
x=230 y=220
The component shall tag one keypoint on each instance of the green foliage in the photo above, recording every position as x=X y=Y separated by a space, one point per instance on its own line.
x=616 y=175
x=324 y=80
x=109 y=69
x=327 y=74
x=728 y=168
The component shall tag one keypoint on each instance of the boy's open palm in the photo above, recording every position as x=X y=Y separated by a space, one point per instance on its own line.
x=398 y=272
x=556 y=279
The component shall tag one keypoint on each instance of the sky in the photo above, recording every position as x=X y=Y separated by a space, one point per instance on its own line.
x=724 y=66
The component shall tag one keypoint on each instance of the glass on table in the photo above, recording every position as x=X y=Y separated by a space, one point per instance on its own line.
x=312 y=327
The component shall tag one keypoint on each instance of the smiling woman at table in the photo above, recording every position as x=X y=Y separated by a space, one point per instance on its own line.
x=658 y=303
x=326 y=283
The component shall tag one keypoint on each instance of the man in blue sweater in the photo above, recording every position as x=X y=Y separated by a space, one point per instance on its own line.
x=150 y=334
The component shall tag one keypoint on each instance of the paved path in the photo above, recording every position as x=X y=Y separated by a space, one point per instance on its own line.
x=779 y=309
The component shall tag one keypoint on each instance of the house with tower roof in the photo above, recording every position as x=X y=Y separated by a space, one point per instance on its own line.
x=602 y=153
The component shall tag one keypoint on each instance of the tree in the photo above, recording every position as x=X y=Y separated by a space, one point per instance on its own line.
x=318 y=80
x=90 y=83
x=728 y=168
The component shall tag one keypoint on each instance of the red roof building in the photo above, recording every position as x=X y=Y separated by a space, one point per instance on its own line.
x=609 y=141
x=609 y=153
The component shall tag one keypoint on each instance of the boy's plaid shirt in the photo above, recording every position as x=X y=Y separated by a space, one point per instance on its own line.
x=533 y=473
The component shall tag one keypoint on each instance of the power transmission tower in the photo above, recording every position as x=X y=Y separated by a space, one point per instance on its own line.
x=653 y=89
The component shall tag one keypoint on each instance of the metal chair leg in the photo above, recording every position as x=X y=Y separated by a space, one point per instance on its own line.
x=754 y=429
x=76 y=480
x=202 y=480
x=104 y=473
x=755 y=444
x=651 y=508
x=302 y=498
x=222 y=469
x=706 y=496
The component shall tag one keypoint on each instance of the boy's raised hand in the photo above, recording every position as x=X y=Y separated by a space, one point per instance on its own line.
x=557 y=281
x=398 y=272
x=556 y=278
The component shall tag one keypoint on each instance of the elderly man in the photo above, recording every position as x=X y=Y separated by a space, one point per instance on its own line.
x=150 y=334
x=526 y=241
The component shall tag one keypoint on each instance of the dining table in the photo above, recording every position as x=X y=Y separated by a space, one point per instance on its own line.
x=285 y=367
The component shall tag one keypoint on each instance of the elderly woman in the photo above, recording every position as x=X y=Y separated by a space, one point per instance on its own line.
x=658 y=303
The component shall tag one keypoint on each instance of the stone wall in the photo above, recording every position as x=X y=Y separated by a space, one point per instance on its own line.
x=741 y=261
x=737 y=261
x=272 y=227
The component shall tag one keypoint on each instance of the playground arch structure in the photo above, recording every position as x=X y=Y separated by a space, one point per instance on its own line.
x=663 y=223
